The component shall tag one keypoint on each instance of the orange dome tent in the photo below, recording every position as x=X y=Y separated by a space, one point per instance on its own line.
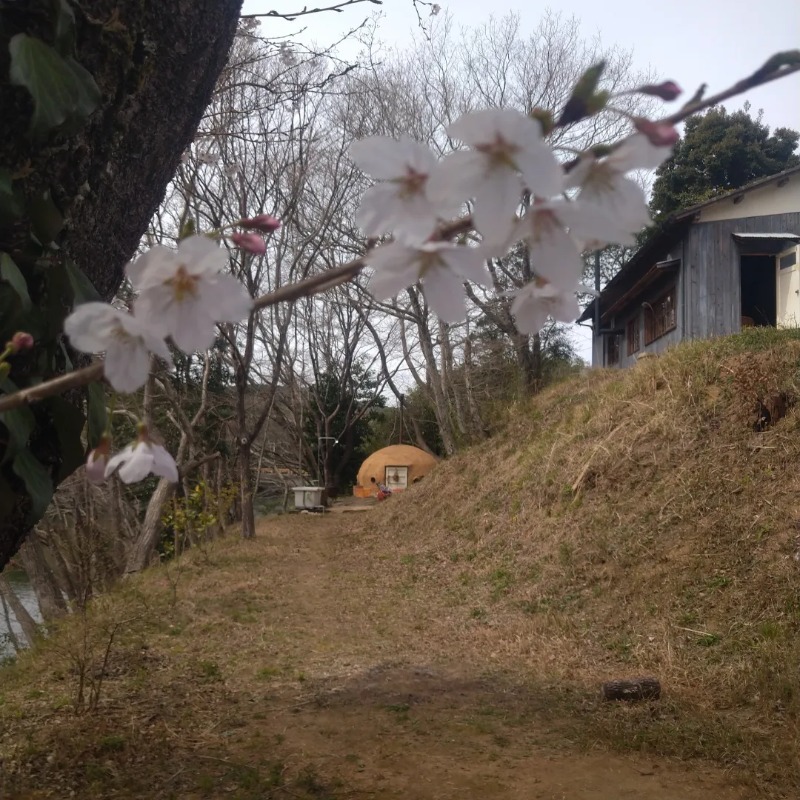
x=398 y=466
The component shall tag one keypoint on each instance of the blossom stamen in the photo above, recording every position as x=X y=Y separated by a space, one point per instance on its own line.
x=183 y=284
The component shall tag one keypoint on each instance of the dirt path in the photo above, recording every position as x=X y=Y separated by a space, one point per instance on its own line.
x=311 y=664
x=389 y=715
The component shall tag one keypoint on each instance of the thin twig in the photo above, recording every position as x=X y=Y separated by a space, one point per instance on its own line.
x=292 y=15
x=754 y=80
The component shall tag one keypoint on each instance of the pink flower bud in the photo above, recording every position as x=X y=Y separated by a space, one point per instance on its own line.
x=97 y=460
x=668 y=90
x=659 y=134
x=249 y=242
x=20 y=341
x=261 y=222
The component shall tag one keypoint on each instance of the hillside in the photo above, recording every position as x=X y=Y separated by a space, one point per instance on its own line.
x=644 y=521
x=451 y=642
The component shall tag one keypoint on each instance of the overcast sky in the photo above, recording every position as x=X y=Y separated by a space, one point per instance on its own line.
x=688 y=41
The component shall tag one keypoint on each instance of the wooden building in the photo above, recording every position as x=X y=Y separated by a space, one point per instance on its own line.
x=710 y=270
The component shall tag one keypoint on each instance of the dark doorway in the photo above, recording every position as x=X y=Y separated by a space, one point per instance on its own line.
x=758 y=291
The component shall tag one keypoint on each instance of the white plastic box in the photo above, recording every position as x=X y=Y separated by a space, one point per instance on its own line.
x=308 y=497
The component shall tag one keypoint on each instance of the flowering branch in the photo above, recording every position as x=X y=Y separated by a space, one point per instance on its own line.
x=499 y=139
x=779 y=66
x=72 y=380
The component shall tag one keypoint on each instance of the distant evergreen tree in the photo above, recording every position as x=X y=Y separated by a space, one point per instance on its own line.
x=718 y=152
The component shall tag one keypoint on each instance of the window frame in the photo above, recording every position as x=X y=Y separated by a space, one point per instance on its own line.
x=658 y=324
x=613 y=350
x=633 y=336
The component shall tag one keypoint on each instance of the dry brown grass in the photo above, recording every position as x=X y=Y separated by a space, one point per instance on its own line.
x=450 y=643
x=634 y=522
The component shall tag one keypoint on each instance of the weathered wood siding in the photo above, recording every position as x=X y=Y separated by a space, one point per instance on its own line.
x=650 y=295
x=711 y=295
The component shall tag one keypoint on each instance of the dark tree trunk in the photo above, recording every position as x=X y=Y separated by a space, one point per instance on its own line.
x=246 y=484
x=146 y=542
x=156 y=63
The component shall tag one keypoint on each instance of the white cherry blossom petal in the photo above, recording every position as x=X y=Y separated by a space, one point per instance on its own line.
x=541 y=172
x=445 y=295
x=94 y=327
x=540 y=299
x=193 y=330
x=400 y=204
x=384 y=208
x=496 y=202
x=126 y=366
x=469 y=263
x=228 y=298
x=638 y=152
x=183 y=293
x=385 y=158
x=138 y=460
x=439 y=264
x=456 y=178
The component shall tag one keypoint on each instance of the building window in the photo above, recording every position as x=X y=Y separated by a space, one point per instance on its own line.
x=612 y=350
x=659 y=317
x=632 y=335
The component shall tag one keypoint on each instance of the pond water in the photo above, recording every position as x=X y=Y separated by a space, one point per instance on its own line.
x=22 y=588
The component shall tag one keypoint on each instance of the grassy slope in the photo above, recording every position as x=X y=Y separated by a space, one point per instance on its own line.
x=634 y=522
x=622 y=523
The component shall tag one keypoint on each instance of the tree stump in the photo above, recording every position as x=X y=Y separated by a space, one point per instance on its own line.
x=632 y=690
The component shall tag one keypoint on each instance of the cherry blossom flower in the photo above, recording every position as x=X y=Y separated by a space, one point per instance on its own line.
x=507 y=155
x=182 y=292
x=140 y=459
x=554 y=253
x=618 y=202
x=399 y=203
x=435 y=9
x=250 y=243
x=126 y=339
x=540 y=299
x=442 y=268
x=97 y=460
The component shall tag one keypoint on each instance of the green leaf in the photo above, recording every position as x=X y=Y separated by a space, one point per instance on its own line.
x=10 y=206
x=11 y=274
x=65 y=27
x=62 y=90
x=69 y=423
x=46 y=220
x=583 y=99
x=20 y=423
x=82 y=288
x=37 y=482
x=98 y=417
